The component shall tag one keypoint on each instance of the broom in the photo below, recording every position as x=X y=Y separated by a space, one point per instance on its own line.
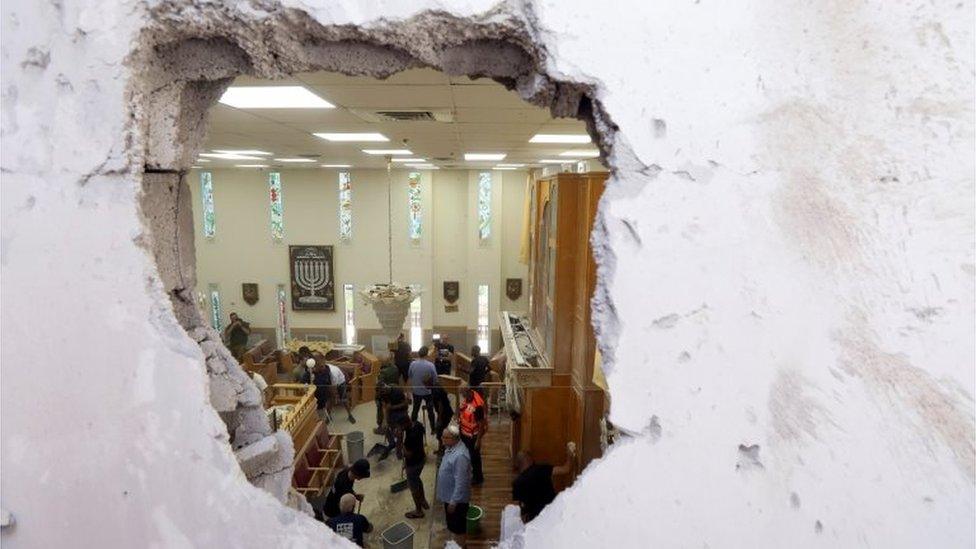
x=399 y=485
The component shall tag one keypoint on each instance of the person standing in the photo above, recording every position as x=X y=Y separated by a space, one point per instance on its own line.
x=402 y=354
x=474 y=424
x=236 y=334
x=533 y=489
x=420 y=369
x=414 y=458
x=343 y=484
x=395 y=405
x=387 y=377
x=443 y=356
x=442 y=407
x=454 y=484
x=479 y=370
x=348 y=523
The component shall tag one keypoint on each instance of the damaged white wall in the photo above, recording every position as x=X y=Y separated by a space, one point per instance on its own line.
x=787 y=260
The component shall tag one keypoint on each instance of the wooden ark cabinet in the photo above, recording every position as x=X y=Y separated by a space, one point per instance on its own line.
x=563 y=278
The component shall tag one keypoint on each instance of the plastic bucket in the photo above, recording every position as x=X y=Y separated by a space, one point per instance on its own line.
x=398 y=536
x=474 y=519
x=354 y=446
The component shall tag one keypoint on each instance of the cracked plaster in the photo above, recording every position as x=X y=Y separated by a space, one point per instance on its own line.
x=804 y=169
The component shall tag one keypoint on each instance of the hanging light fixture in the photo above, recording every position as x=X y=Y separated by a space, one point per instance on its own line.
x=390 y=301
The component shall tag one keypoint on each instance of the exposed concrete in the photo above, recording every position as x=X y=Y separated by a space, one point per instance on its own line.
x=803 y=169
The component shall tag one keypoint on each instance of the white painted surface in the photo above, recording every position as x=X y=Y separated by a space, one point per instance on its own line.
x=806 y=287
x=242 y=249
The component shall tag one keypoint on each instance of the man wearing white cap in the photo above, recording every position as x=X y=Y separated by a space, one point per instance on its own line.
x=341 y=388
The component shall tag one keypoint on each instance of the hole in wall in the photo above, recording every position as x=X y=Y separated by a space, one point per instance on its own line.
x=183 y=72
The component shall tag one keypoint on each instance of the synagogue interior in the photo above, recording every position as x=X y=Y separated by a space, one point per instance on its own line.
x=404 y=269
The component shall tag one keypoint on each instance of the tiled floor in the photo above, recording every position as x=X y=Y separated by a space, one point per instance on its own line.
x=385 y=509
x=380 y=506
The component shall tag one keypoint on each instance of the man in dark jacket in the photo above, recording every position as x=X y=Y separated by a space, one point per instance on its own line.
x=402 y=355
x=321 y=377
x=479 y=370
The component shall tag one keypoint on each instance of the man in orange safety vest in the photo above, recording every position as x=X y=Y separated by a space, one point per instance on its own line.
x=473 y=423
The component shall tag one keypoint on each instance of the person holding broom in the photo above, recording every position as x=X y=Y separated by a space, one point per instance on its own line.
x=414 y=458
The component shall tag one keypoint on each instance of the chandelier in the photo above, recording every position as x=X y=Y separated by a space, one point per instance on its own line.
x=391 y=301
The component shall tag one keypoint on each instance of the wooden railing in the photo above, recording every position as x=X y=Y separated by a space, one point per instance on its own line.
x=298 y=421
x=494 y=391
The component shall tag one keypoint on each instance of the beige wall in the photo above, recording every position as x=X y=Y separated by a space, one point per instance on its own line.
x=242 y=249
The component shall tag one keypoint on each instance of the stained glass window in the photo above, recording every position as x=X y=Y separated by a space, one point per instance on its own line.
x=284 y=332
x=215 y=318
x=483 y=317
x=413 y=199
x=416 y=324
x=349 y=303
x=206 y=192
x=277 y=210
x=345 y=206
x=484 y=205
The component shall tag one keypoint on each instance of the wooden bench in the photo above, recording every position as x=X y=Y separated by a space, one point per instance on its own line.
x=262 y=359
x=317 y=462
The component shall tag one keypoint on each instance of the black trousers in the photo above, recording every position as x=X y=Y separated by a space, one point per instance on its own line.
x=379 y=411
x=477 y=475
x=417 y=400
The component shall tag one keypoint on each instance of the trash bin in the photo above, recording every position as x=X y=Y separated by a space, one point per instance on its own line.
x=354 y=446
x=398 y=536
x=474 y=519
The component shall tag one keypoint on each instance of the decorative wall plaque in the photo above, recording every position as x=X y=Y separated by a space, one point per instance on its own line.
x=513 y=288
x=312 y=285
x=249 y=291
x=452 y=291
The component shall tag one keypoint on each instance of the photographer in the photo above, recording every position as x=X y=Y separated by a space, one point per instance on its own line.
x=236 y=334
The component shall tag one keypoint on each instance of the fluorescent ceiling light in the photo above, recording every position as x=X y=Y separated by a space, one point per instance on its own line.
x=229 y=156
x=195 y=167
x=410 y=160
x=551 y=161
x=336 y=165
x=250 y=165
x=295 y=160
x=273 y=97
x=423 y=166
x=503 y=166
x=581 y=154
x=238 y=151
x=471 y=157
x=352 y=136
x=391 y=152
x=560 y=138
x=202 y=160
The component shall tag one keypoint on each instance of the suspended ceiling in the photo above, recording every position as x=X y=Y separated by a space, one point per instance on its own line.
x=484 y=118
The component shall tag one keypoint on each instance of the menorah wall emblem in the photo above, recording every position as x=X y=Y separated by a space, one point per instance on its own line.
x=312 y=281
x=312 y=276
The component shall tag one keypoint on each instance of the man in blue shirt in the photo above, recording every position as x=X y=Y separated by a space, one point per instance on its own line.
x=420 y=369
x=454 y=483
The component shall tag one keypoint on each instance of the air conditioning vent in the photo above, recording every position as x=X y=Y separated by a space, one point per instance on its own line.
x=404 y=115
x=408 y=116
x=444 y=158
